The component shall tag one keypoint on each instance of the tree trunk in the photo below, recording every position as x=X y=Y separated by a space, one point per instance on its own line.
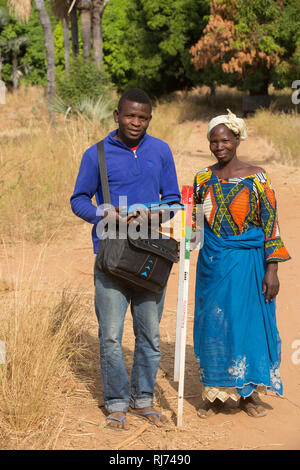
x=15 y=77
x=86 y=25
x=263 y=90
x=65 y=25
x=74 y=31
x=212 y=87
x=97 y=13
x=50 y=51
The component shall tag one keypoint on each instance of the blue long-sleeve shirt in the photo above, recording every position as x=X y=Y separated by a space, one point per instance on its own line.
x=144 y=176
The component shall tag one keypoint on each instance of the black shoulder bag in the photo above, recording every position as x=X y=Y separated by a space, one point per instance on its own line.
x=142 y=263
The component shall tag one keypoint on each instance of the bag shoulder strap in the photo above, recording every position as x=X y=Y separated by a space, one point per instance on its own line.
x=103 y=172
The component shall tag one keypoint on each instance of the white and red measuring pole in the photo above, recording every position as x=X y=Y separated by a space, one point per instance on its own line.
x=182 y=302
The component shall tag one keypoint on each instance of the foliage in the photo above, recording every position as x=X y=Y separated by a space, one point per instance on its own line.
x=4 y=18
x=33 y=61
x=146 y=43
x=96 y=110
x=151 y=44
x=10 y=30
x=59 y=46
x=16 y=45
x=85 y=80
x=35 y=57
x=289 y=33
x=251 y=38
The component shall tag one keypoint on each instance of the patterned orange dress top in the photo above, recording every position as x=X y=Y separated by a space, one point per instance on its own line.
x=233 y=206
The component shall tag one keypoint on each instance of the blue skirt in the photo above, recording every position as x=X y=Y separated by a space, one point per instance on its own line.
x=236 y=340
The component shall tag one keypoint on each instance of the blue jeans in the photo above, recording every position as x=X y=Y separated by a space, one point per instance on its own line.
x=112 y=297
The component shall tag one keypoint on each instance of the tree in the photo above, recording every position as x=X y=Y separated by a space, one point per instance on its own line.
x=246 y=38
x=22 y=9
x=147 y=43
x=50 y=51
x=85 y=8
x=31 y=58
x=15 y=47
x=98 y=8
x=74 y=26
x=66 y=43
x=288 y=32
x=91 y=12
x=60 y=9
x=86 y=80
x=3 y=22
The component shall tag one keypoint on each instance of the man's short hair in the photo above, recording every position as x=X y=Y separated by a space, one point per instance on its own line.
x=135 y=95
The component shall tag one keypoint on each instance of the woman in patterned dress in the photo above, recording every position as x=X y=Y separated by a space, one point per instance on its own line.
x=236 y=341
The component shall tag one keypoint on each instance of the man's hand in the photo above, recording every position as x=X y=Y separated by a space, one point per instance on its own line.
x=139 y=217
x=113 y=215
x=270 y=284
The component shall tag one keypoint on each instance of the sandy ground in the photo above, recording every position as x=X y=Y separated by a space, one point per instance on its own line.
x=70 y=263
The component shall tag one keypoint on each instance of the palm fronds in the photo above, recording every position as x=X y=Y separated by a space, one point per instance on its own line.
x=95 y=110
x=98 y=109
x=4 y=18
x=20 y=9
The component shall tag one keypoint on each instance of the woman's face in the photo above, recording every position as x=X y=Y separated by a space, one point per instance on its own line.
x=223 y=143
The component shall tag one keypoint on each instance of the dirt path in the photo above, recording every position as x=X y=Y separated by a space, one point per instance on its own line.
x=70 y=263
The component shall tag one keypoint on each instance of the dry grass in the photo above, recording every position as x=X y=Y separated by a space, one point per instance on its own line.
x=282 y=131
x=42 y=332
x=38 y=166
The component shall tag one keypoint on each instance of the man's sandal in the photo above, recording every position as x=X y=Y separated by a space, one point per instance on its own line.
x=120 y=420
x=144 y=415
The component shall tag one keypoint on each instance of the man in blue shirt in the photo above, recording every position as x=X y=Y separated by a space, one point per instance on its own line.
x=141 y=168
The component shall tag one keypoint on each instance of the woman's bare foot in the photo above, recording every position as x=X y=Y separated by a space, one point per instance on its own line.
x=207 y=409
x=151 y=415
x=117 y=421
x=252 y=406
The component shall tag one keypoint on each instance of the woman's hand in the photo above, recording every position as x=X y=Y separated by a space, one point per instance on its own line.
x=270 y=284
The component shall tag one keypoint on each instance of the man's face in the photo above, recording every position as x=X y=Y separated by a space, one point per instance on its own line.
x=133 y=119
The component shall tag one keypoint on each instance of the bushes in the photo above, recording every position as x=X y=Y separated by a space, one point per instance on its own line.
x=86 y=90
x=85 y=80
